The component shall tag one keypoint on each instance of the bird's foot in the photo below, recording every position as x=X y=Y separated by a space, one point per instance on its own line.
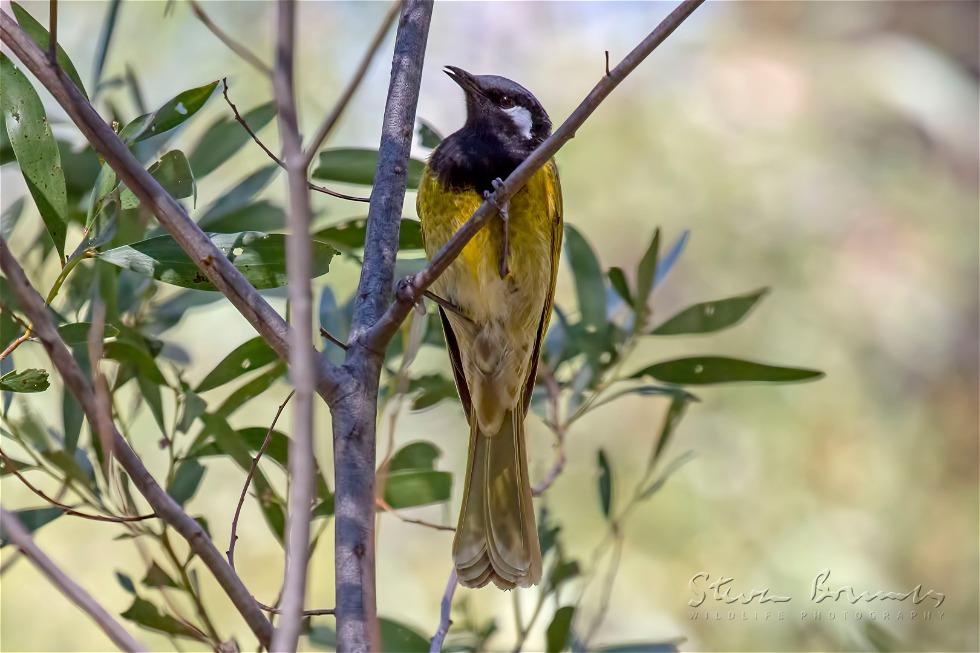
x=502 y=210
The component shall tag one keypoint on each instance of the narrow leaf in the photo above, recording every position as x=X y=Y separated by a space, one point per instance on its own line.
x=36 y=150
x=703 y=370
x=127 y=352
x=149 y=616
x=708 y=317
x=248 y=356
x=428 y=135
x=157 y=577
x=186 y=481
x=352 y=165
x=619 y=283
x=646 y=272
x=559 y=628
x=174 y=174
x=30 y=380
x=225 y=137
x=605 y=484
x=77 y=332
x=348 y=236
x=32 y=519
x=238 y=197
x=169 y=116
x=39 y=34
x=105 y=40
x=260 y=257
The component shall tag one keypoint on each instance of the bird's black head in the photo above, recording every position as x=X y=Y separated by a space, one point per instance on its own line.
x=504 y=123
x=504 y=108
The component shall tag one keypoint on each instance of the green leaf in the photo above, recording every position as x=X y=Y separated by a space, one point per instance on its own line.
x=260 y=216
x=191 y=408
x=334 y=321
x=408 y=488
x=127 y=352
x=174 y=174
x=415 y=455
x=398 y=638
x=260 y=257
x=40 y=36
x=605 y=484
x=170 y=116
x=589 y=286
x=105 y=39
x=678 y=404
x=561 y=572
x=187 y=478
x=666 y=262
x=237 y=198
x=348 y=236
x=149 y=616
x=559 y=628
x=30 y=380
x=646 y=272
x=75 y=465
x=250 y=390
x=225 y=137
x=18 y=465
x=32 y=519
x=704 y=370
x=428 y=136
x=77 y=332
x=36 y=150
x=11 y=215
x=665 y=475
x=252 y=437
x=351 y=165
x=250 y=355
x=708 y=317
x=125 y=582
x=150 y=393
x=431 y=389
x=157 y=577
x=619 y=283
x=643 y=647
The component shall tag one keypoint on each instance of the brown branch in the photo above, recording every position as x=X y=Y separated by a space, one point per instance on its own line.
x=302 y=368
x=233 y=540
x=68 y=510
x=53 y=31
x=445 y=614
x=607 y=63
x=334 y=339
x=17 y=342
x=17 y=534
x=411 y=288
x=332 y=380
x=345 y=97
x=247 y=55
x=384 y=505
x=309 y=184
x=162 y=503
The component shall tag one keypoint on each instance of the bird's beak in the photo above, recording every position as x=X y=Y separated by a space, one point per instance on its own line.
x=466 y=81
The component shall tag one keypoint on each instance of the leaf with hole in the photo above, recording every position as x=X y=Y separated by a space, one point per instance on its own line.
x=171 y=115
x=246 y=357
x=37 y=152
x=705 y=370
x=708 y=317
x=29 y=380
x=351 y=165
x=260 y=257
x=225 y=137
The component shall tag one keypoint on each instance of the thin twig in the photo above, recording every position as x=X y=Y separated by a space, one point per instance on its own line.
x=411 y=288
x=233 y=540
x=334 y=339
x=302 y=368
x=384 y=505
x=21 y=339
x=607 y=63
x=557 y=427
x=162 y=503
x=68 y=510
x=53 y=31
x=345 y=97
x=445 y=613
x=17 y=534
x=247 y=55
x=309 y=184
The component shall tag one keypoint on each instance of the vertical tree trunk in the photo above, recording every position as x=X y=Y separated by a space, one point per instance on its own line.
x=355 y=413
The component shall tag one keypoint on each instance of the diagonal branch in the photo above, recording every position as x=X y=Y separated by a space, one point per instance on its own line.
x=302 y=365
x=17 y=534
x=331 y=120
x=171 y=215
x=247 y=55
x=411 y=288
x=162 y=503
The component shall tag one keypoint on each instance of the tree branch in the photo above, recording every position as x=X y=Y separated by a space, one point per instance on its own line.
x=171 y=215
x=232 y=44
x=445 y=621
x=301 y=364
x=162 y=503
x=244 y=123
x=411 y=288
x=354 y=419
x=345 y=97
x=17 y=534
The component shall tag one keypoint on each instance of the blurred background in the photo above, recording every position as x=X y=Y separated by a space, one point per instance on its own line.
x=828 y=151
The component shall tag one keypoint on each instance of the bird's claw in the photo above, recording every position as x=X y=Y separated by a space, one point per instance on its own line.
x=502 y=210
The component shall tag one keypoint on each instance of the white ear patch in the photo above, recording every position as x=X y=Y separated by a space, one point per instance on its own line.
x=521 y=118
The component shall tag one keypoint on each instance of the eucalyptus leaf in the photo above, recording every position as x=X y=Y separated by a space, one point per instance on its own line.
x=37 y=152
x=32 y=519
x=169 y=116
x=351 y=165
x=39 y=34
x=413 y=487
x=248 y=356
x=128 y=352
x=11 y=215
x=643 y=647
x=428 y=135
x=704 y=370
x=225 y=137
x=396 y=637
x=431 y=389
x=619 y=283
x=559 y=629
x=589 y=286
x=258 y=216
x=147 y=615
x=186 y=480
x=646 y=272
x=260 y=257
x=605 y=484
x=77 y=333
x=415 y=455
x=349 y=235
x=156 y=577
x=174 y=174
x=237 y=198
x=29 y=380
x=708 y=317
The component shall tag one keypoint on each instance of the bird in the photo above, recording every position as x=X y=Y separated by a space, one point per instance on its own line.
x=495 y=303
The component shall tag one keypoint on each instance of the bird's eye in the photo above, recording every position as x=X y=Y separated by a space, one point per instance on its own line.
x=506 y=101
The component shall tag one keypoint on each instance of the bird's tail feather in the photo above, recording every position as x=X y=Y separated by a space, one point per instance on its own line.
x=496 y=539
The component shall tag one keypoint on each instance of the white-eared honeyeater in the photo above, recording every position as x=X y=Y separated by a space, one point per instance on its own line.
x=501 y=289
